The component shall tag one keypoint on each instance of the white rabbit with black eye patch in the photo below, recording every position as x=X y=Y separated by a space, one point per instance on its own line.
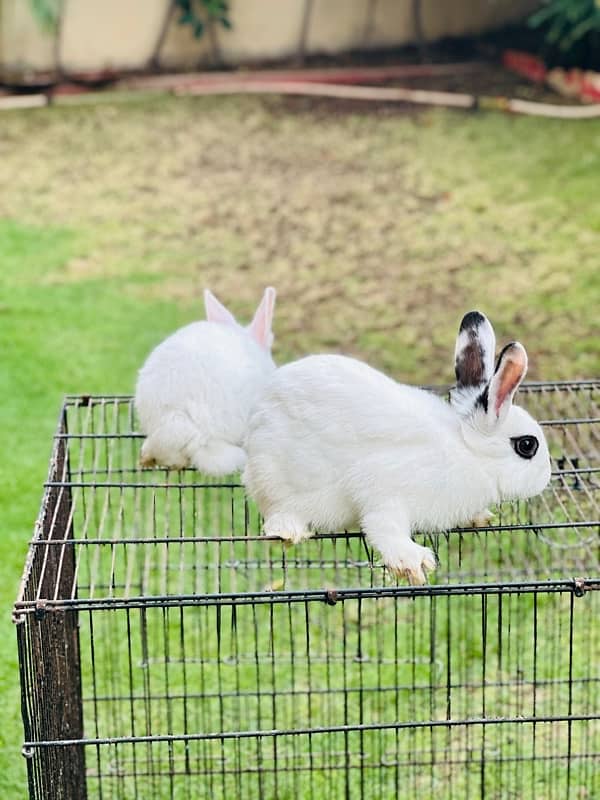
x=195 y=391
x=334 y=443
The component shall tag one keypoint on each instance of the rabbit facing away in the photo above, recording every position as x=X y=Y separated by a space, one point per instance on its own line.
x=334 y=443
x=196 y=389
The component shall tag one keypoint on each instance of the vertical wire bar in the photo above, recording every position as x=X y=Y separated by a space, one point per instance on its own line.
x=413 y=692
x=535 y=686
x=500 y=680
x=273 y=693
x=95 y=704
x=294 y=710
x=465 y=679
x=379 y=697
x=570 y=696
x=332 y=712
x=185 y=698
x=509 y=666
x=235 y=656
x=258 y=702
x=347 y=786
x=483 y=688
x=203 y=637
x=517 y=690
x=557 y=670
x=396 y=697
x=147 y=696
x=309 y=689
x=587 y=705
x=29 y=707
x=360 y=656
x=432 y=687
x=168 y=700
x=218 y=630
x=549 y=656
x=131 y=699
x=449 y=688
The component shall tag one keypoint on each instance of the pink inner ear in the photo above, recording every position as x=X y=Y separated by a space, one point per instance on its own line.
x=512 y=374
x=216 y=311
x=260 y=327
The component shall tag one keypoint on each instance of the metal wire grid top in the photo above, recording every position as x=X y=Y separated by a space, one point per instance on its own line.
x=218 y=675
x=133 y=536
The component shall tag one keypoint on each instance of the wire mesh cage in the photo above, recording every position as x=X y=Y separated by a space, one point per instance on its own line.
x=167 y=649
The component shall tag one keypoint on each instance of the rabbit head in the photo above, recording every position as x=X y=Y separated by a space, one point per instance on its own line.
x=492 y=426
x=260 y=327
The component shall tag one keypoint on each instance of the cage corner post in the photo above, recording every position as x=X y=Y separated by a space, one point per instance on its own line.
x=50 y=637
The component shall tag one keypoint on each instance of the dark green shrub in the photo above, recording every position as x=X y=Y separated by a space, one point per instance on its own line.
x=197 y=13
x=571 y=31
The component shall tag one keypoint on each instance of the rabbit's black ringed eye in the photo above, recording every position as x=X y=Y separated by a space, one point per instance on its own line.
x=525 y=446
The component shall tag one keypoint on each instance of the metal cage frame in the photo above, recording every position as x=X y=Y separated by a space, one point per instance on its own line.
x=167 y=649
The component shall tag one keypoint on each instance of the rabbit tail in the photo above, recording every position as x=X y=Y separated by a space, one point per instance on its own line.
x=177 y=444
x=168 y=445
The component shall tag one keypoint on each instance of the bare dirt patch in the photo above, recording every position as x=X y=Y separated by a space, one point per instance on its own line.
x=378 y=231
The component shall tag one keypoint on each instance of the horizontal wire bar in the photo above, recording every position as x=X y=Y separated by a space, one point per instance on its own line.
x=135 y=470
x=330 y=596
x=344 y=535
x=537 y=385
x=111 y=435
x=569 y=421
x=139 y=485
x=438 y=758
x=525 y=387
x=369 y=691
x=575 y=471
x=139 y=435
x=86 y=399
x=257 y=734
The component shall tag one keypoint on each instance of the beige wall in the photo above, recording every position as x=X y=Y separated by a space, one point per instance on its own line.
x=23 y=45
x=122 y=34
x=261 y=29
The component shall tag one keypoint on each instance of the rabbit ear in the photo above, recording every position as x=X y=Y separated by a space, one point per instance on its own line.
x=215 y=311
x=260 y=327
x=510 y=371
x=474 y=351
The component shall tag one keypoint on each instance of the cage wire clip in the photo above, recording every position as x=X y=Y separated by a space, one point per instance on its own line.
x=41 y=607
x=18 y=617
x=579 y=587
x=331 y=597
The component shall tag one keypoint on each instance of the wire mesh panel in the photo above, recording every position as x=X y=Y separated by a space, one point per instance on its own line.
x=169 y=650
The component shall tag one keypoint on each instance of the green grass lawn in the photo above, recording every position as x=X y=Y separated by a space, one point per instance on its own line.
x=379 y=231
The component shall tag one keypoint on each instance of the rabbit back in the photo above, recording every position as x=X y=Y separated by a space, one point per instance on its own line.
x=201 y=381
x=334 y=435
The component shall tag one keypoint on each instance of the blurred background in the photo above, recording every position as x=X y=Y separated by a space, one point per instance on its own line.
x=132 y=177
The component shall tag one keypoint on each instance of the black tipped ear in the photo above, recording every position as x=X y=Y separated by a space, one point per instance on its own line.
x=474 y=351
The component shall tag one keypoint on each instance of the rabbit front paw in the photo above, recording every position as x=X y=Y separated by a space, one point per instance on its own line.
x=286 y=527
x=411 y=561
x=482 y=518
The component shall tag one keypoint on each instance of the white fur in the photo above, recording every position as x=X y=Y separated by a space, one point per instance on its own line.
x=195 y=391
x=334 y=443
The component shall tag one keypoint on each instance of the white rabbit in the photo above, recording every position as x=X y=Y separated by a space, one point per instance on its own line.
x=195 y=391
x=334 y=443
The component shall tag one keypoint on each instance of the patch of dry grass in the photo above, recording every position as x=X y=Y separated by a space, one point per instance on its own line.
x=378 y=229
